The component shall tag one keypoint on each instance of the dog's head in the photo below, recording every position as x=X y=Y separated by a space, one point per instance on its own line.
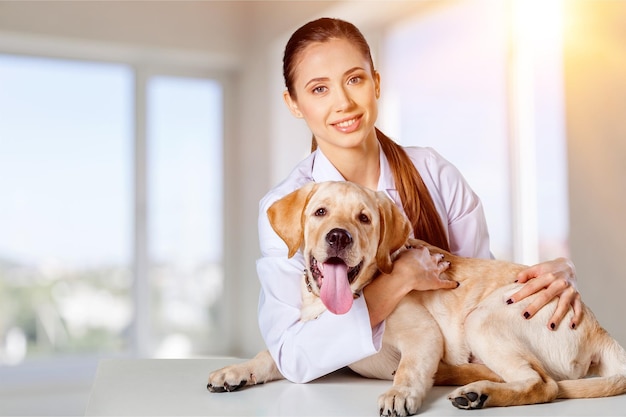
x=347 y=233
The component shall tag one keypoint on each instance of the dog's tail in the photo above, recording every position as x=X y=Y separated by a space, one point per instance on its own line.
x=609 y=365
x=595 y=387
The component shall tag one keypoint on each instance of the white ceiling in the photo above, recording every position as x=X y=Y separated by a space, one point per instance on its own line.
x=224 y=28
x=216 y=26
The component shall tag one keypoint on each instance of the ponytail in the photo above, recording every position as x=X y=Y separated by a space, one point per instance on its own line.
x=415 y=197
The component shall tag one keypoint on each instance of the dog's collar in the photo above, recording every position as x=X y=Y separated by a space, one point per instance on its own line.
x=307 y=281
x=309 y=287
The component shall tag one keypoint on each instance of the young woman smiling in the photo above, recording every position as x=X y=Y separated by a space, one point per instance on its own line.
x=332 y=85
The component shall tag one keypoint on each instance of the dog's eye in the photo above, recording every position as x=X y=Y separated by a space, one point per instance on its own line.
x=363 y=218
x=320 y=212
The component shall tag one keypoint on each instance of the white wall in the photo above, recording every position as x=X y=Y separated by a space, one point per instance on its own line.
x=140 y=29
x=595 y=90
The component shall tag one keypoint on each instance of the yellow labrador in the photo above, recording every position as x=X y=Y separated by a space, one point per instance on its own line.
x=349 y=234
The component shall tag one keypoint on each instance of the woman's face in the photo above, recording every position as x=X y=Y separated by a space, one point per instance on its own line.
x=336 y=94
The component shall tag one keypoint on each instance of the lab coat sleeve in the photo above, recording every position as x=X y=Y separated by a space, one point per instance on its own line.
x=304 y=351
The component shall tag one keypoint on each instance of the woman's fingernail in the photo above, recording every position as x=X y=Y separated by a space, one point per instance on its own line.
x=552 y=326
x=526 y=315
x=509 y=301
x=515 y=281
x=573 y=325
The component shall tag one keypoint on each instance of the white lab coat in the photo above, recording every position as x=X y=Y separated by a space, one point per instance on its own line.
x=304 y=351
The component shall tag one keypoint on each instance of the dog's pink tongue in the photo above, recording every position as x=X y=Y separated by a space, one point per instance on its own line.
x=335 y=292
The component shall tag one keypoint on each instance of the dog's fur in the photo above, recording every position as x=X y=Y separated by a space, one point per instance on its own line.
x=437 y=335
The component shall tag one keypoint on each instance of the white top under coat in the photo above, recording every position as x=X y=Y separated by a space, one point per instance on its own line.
x=306 y=351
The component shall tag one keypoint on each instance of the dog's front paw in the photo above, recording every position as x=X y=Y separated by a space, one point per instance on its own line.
x=400 y=401
x=225 y=387
x=230 y=378
x=467 y=399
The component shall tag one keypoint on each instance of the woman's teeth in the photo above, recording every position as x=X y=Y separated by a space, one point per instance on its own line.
x=346 y=123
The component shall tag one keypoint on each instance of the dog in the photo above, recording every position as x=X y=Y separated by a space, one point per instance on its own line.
x=466 y=336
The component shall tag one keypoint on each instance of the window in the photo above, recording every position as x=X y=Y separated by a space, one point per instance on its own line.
x=68 y=210
x=447 y=77
x=65 y=207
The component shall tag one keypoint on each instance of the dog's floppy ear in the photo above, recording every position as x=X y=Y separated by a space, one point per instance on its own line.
x=394 y=232
x=286 y=216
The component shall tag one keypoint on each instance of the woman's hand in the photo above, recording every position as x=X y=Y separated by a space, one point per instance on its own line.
x=422 y=271
x=550 y=279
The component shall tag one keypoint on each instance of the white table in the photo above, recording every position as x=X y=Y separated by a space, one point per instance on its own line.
x=177 y=387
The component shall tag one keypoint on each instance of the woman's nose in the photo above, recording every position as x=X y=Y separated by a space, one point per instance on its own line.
x=343 y=99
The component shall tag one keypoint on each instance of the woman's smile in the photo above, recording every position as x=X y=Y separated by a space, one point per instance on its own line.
x=348 y=125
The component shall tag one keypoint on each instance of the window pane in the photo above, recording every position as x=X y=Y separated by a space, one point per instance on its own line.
x=449 y=92
x=185 y=213
x=65 y=207
x=455 y=97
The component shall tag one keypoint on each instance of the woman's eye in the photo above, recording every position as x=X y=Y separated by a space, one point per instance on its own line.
x=363 y=218
x=354 y=80
x=319 y=90
x=320 y=212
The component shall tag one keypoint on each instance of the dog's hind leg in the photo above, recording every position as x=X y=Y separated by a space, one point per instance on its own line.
x=464 y=374
x=505 y=349
x=524 y=384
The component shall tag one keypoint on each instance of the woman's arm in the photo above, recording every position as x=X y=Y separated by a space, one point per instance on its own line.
x=415 y=269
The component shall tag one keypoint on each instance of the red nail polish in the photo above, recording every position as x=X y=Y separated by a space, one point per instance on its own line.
x=526 y=315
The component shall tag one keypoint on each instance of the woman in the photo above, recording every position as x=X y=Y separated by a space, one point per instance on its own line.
x=332 y=84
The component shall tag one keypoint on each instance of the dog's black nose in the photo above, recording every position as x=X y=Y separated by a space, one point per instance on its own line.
x=338 y=238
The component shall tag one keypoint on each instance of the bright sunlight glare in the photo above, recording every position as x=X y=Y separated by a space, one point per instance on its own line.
x=535 y=21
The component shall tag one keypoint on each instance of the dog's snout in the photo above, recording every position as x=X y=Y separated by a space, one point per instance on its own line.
x=339 y=238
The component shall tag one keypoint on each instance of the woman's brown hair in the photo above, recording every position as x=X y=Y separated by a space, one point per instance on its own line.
x=416 y=199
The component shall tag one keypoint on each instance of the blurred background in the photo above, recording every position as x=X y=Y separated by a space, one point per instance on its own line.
x=136 y=139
